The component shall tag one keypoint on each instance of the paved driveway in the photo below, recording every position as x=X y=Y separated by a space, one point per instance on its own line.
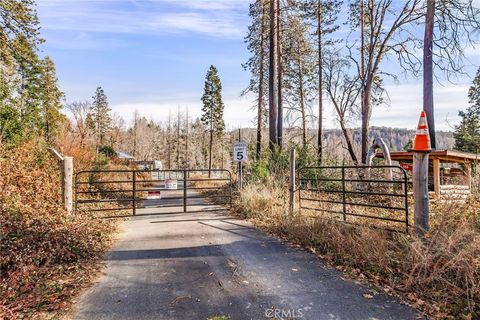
x=201 y=265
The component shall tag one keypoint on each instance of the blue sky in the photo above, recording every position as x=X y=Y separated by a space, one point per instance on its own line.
x=152 y=56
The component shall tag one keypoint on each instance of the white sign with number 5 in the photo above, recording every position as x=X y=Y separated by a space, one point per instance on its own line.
x=240 y=152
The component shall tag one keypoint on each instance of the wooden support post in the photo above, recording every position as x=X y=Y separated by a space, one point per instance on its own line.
x=420 y=192
x=68 y=183
x=436 y=177
x=468 y=174
x=292 y=180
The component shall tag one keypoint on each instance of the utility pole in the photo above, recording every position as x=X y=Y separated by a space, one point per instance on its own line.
x=421 y=150
x=428 y=71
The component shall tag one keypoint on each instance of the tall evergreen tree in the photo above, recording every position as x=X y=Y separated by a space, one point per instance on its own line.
x=467 y=133
x=29 y=94
x=99 y=117
x=257 y=64
x=322 y=16
x=298 y=72
x=273 y=75
x=212 y=109
x=50 y=97
x=18 y=19
x=29 y=71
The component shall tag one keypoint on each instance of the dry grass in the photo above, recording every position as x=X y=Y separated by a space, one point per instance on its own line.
x=47 y=255
x=439 y=275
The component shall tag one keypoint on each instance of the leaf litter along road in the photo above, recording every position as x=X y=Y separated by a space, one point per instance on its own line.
x=208 y=265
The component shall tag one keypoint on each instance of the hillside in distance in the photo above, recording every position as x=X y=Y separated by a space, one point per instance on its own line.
x=334 y=143
x=396 y=138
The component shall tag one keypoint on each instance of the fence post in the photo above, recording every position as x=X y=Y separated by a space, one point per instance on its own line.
x=68 y=183
x=292 y=180
x=134 y=191
x=185 y=190
x=344 y=196
x=420 y=192
x=66 y=179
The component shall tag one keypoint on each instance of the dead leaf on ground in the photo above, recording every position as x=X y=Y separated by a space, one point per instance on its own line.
x=178 y=299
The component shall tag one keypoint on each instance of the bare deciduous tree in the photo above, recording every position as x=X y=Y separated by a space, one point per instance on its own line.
x=79 y=111
x=343 y=90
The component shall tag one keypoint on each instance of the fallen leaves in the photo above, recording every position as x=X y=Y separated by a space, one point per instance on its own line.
x=47 y=255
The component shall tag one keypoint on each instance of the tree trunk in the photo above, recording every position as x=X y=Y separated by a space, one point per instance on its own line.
x=210 y=154
x=428 y=71
x=135 y=136
x=272 y=87
x=169 y=145
x=187 y=166
x=341 y=120
x=302 y=104
x=320 y=85
x=280 y=78
x=260 y=88
x=364 y=133
x=348 y=141
x=366 y=111
x=178 y=139
x=210 y=145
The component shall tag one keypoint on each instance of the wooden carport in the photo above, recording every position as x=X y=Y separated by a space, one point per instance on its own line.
x=458 y=164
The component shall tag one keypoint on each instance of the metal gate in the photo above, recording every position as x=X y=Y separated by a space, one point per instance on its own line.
x=153 y=191
x=371 y=195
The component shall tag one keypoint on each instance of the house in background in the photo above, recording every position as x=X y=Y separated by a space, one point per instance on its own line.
x=124 y=156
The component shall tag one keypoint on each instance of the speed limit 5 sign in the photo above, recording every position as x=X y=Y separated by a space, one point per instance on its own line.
x=240 y=152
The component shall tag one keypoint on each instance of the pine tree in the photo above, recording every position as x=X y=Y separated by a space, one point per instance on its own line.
x=29 y=93
x=99 y=117
x=322 y=16
x=50 y=97
x=28 y=85
x=257 y=43
x=212 y=109
x=467 y=133
x=273 y=76
x=298 y=72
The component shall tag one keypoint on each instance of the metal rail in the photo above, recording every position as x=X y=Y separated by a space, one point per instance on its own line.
x=91 y=188
x=315 y=182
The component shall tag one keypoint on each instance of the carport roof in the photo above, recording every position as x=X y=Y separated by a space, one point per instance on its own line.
x=444 y=155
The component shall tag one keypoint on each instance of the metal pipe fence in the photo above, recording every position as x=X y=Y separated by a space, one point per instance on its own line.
x=120 y=190
x=357 y=194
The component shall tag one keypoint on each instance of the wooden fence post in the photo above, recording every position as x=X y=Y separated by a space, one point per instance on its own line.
x=66 y=179
x=68 y=183
x=292 y=180
x=420 y=192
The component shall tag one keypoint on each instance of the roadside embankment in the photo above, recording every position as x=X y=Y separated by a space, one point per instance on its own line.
x=47 y=256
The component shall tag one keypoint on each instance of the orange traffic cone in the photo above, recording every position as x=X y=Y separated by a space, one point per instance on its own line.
x=422 y=137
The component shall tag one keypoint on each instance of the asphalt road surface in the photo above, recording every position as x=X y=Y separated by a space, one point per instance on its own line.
x=202 y=265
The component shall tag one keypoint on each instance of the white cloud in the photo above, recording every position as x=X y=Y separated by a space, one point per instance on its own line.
x=406 y=104
x=404 y=111
x=225 y=19
x=237 y=111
